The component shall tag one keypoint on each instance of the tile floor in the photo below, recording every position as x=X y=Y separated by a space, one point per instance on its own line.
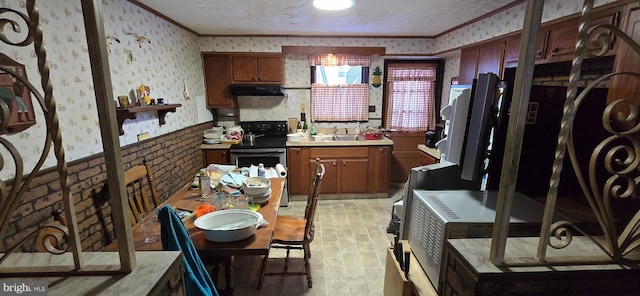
x=348 y=252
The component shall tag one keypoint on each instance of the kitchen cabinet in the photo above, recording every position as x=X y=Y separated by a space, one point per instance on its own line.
x=624 y=86
x=557 y=42
x=350 y=165
x=217 y=76
x=262 y=68
x=426 y=159
x=220 y=156
x=350 y=171
x=298 y=174
x=404 y=155
x=380 y=167
x=480 y=59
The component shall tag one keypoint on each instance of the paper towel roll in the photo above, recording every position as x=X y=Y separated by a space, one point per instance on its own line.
x=282 y=172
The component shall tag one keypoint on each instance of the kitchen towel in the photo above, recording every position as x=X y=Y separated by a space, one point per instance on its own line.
x=282 y=172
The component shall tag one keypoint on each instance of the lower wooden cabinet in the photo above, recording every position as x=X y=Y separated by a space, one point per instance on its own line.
x=215 y=156
x=349 y=171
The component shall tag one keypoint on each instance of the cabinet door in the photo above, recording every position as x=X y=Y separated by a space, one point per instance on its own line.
x=563 y=36
x=625 y=86
x=244 y=68
x=512 y=48
x=217 y=78
x=468 y=65
x=490 y=58
x=330 y=180
x=216 y=156
x=427 y=159
x=298 y=173
x=379 y=169
x=354 y=176
x=270 y=69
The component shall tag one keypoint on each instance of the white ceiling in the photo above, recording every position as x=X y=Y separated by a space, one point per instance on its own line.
x=373 y=18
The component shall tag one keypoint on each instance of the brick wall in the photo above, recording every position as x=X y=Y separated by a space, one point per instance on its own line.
x=174 y=159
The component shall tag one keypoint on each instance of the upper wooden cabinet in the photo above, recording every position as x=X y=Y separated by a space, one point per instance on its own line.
x=625 y=86
x=557 y=42
x=260 y=68
x=480 y=59
x=217 y=76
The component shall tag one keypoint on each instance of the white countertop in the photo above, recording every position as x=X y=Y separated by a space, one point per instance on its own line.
x=215 y=146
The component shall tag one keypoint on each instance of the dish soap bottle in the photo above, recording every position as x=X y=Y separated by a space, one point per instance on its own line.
x=261 y=171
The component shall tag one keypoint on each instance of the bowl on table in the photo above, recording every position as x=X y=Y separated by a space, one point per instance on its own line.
x=229 y=225
x=296 y=137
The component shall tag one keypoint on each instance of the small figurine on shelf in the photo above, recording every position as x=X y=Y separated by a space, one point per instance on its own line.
x=144 y=91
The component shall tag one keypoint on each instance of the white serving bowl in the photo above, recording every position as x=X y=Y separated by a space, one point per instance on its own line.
x=229 y=225
x=294 y=137
x=256 y=186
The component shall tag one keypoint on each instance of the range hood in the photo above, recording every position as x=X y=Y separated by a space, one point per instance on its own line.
x=256 y=89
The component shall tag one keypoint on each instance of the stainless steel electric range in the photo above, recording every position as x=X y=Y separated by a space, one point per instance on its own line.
x=268 y=147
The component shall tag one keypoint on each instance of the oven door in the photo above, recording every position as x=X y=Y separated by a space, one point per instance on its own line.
x=268 y=157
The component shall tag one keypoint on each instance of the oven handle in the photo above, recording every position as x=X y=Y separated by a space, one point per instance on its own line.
x=257 y=152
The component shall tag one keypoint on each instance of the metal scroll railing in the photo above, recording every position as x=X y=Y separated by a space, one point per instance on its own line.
x=14 y=80
x=611 y=172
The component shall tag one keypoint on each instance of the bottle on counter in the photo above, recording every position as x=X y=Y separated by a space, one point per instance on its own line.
x=261 y=171
x=305 y=127
x=312 y=130
x=299 y=128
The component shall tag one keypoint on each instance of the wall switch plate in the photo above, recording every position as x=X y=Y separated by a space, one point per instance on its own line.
x=372 y=108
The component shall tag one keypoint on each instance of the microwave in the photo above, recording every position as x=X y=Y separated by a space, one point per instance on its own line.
x=438 y=215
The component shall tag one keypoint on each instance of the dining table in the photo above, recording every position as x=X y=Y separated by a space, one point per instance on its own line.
x=211 y=253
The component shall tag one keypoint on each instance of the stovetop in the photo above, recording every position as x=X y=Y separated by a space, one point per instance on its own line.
x=269 y=134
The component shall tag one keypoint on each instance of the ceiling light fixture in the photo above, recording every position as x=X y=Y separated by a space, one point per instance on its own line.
x=333 y=4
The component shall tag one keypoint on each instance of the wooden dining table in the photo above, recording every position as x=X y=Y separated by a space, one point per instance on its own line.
x=211 y=253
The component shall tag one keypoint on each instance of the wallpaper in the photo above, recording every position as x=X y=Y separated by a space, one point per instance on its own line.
x=171 y=59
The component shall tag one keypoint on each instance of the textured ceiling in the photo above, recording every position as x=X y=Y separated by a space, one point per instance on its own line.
x=399 y=18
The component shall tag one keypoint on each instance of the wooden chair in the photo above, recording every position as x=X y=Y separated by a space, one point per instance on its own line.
x=53 y=238
x=139 y=184
x=295 y=232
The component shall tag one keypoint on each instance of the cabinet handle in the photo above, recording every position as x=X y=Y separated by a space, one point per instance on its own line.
x=334 y=163
x=554 y=50
x=538 y=54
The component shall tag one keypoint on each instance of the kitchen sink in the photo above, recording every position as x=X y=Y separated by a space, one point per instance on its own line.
x=347 y=138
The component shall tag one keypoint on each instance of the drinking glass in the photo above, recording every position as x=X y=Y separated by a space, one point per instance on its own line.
x=150 y=227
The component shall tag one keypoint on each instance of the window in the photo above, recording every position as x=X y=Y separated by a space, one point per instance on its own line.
x=411 y=95
x=339 y=87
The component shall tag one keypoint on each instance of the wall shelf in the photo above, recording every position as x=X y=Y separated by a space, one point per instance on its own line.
x=132 y=113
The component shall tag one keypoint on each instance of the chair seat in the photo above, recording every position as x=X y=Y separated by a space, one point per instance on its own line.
x=289 y=229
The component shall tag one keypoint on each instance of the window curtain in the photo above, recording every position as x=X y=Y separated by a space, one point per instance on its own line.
x=339 y=60
x=411 y=97
x=339 y=102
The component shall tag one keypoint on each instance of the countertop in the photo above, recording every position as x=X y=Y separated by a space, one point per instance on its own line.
x=307 y=143
x=215 y=146
x=433 y=152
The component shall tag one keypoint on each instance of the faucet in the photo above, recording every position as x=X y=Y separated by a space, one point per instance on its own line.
x=346 y=131
x=335 y=130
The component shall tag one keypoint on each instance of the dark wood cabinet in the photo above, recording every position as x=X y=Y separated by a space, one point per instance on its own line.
x=217 y=76
x=215 y=156
x=480 y=59
x=468 y=65
x=557 y=42
x=405 y=154
x=351 y=171
x=380 y=167
x=263 y=68
x=625 y=86
x=298 y=174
